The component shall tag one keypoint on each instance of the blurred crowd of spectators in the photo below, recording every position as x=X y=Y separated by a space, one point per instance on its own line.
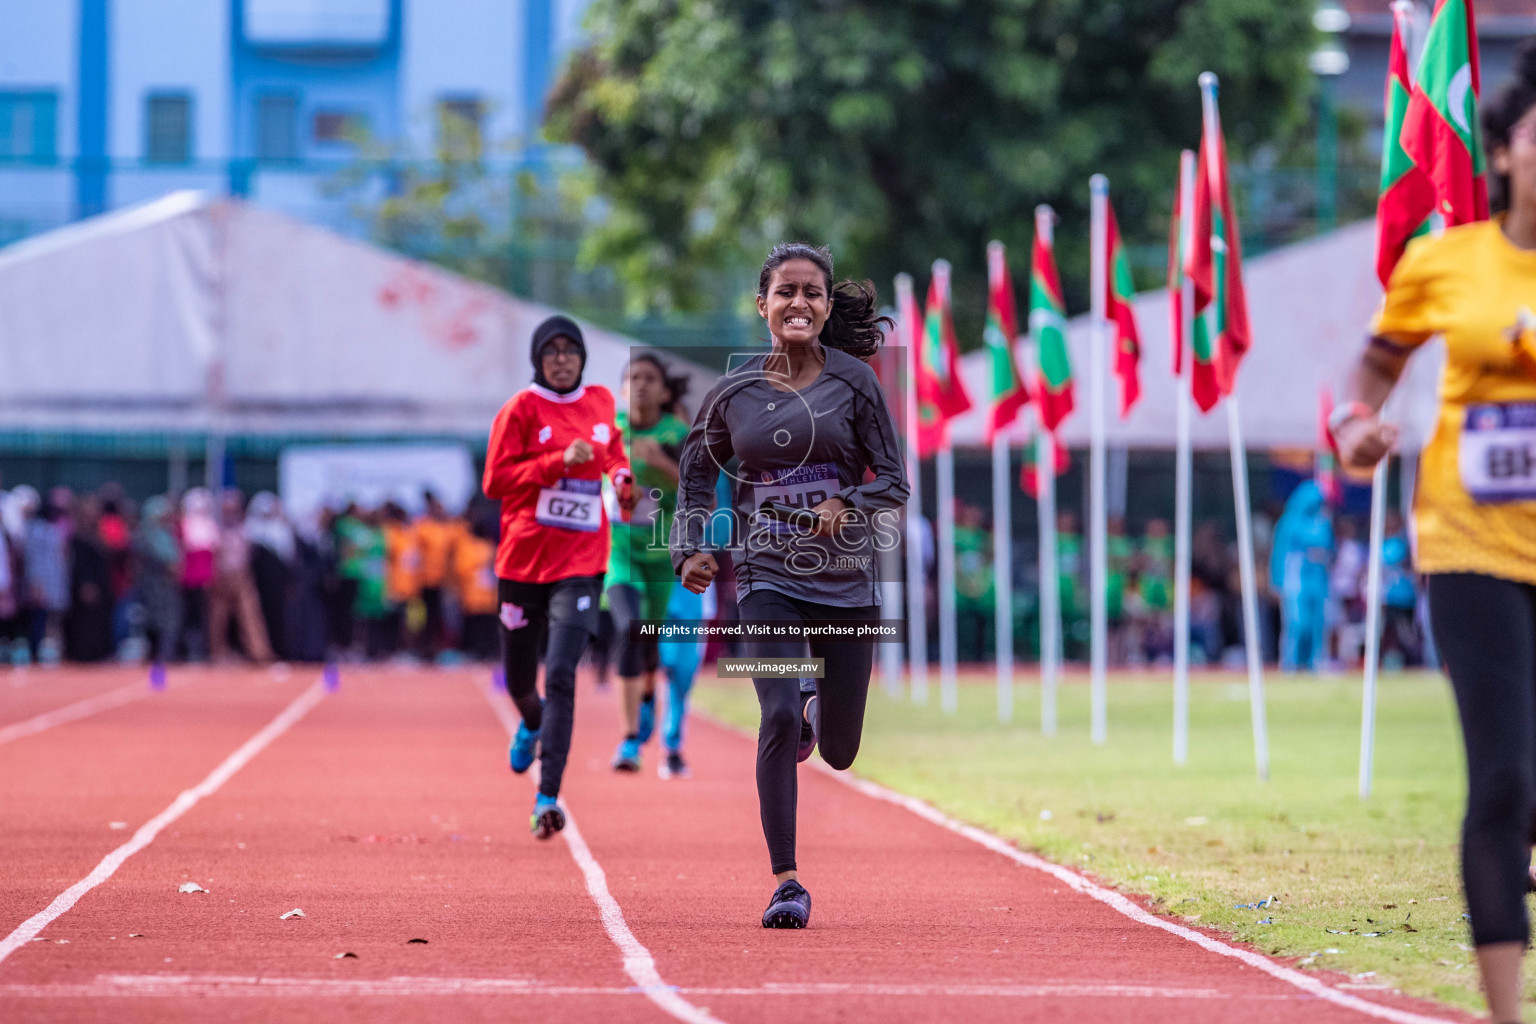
x=207 y=577
x=212 y=577
x=1311 y=576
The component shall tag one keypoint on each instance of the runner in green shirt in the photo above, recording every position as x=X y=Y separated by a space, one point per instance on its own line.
x=361 y=559
x=640 y=575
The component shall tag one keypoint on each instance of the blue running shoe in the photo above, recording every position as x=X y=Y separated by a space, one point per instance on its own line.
x=790 y=906
x=524 y=745
x=810 y=723
x=627 y=757
x=647 y=718
x=548 y=818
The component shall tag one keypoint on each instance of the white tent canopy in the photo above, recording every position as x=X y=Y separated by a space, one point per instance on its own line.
x=127 y=322
x=1310 y=305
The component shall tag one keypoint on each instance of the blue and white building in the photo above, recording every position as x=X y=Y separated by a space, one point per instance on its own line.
x=105 y=103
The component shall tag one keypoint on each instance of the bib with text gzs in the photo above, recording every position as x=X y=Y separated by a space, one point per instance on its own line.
x=571 y=505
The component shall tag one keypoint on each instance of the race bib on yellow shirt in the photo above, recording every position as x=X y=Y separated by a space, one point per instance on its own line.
x=1498 y=452
x=571 y=505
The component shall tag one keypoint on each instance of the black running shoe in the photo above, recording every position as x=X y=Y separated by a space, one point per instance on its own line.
x=810 y=723
x=790 y=906
x=673 y=767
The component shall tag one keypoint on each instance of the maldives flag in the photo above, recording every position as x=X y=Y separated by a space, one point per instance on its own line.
x=1440 y=131
x=1203 y=385
x=941 y=393
x=1029 y=472
x=1009 y=393
x=1117 y=307
x=1407 y=194
x=930 y=426
x=1215 y=264
x=1048 y=329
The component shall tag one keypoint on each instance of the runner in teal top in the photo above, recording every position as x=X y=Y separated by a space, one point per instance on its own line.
x=640 y=577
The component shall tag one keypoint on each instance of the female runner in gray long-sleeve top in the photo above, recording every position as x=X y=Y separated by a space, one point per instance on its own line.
x=807 y=422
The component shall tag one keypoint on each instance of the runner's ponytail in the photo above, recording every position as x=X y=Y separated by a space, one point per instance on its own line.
x=855 y=323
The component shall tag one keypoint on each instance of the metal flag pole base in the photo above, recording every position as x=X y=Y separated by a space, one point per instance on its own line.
x=1372 y=626
x=1002 y=568
x=1050 y=592
x=1250 y=589
x=949 y=692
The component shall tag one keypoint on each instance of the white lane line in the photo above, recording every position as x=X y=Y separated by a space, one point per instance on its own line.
x=638 y=962
x=76 y=711
x=261 y=986
x=1115 y=900
x=147 y=832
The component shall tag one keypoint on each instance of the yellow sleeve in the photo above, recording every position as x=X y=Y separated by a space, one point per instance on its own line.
x=1408 y=314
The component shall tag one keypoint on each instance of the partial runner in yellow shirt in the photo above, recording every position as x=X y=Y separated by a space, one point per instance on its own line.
x=1475 y=511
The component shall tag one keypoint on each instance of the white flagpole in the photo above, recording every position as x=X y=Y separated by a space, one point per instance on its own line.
x=1240 y=495
x=1002 y=572
x=1402 y=12
x=1098 y=540
x=917 y=577
x=944 y=463
x=1250 y=589
x=1050 y=585
x=1183 y=470
x=890 y=567
x=1372 y=626
x=948 y=670
x=1002 y=536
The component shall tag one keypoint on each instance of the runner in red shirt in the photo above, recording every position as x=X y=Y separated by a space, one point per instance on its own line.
x=550 y=446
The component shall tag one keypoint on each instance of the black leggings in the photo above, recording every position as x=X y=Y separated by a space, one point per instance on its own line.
x=1486 y=631
x=568 y=610
x=636 y=656
x=841 y=695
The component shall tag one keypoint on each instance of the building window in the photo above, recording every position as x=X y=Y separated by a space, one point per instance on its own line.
x=333 y=127
x=317 y=23
x=277 y=127
x=459 y=127
x=27 y=126
x=168 y=128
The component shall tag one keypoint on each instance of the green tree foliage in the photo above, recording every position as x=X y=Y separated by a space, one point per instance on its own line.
x=899 y=131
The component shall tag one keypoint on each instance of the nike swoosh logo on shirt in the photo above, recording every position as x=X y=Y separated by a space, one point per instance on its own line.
x=819 y=415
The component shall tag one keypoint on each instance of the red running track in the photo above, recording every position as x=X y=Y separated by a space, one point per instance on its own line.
x=385 y=812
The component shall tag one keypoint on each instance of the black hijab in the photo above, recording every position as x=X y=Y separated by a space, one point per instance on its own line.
x=546 y=332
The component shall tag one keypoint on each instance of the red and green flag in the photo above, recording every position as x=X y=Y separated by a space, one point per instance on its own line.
x=1440 y=131
x=1048 y=329
x=1117 y=307
x=1029 y=472
x=941 y=394
x=1407 y=198
x=1009 y=392
x=930 y=426
x=1203 y=384
x=1215 y=264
